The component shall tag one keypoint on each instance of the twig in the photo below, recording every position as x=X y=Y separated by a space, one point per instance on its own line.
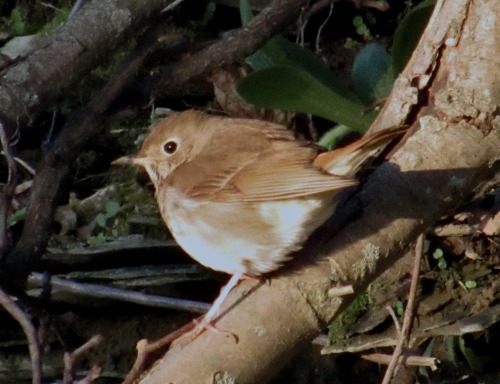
x=410 y=360
x=29 y=330
x=409 y=312
x=171 y=6
x=145 y=349
x=103 y=292
x=394 y=319
x=6 y=197
x=320 y=29
x=316 y=7
x=340 y=291
x=94 y=374
x=71 y=357
x=55 y=166
x=23 y=163
x=78 y=5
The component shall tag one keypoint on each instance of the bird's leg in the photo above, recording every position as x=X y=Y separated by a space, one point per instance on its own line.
x=206 y=322
x=212 y=312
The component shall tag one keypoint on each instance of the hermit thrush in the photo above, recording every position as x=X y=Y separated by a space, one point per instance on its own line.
x=240 y=195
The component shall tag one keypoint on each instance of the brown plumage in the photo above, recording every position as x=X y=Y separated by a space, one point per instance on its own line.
x=240 y=195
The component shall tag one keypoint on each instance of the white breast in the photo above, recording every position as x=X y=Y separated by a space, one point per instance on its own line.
x=249 y=238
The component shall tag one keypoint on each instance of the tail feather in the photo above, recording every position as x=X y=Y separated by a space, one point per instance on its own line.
x=347 y=161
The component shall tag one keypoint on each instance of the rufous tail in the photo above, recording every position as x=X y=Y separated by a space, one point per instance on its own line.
x=347 y=161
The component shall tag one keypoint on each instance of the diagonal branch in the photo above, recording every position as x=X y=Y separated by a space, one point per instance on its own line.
x=234 y=46
x=65 y=56
x=6 y=195
x=29 y=330
x=54 y=169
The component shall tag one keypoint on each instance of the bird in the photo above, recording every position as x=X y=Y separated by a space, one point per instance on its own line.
x=241 y=195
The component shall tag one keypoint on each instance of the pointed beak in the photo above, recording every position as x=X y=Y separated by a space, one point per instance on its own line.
x=130 y=160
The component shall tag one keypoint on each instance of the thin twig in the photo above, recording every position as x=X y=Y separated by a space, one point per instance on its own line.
x=71 y=357
x=320 y=29
x=8 y=194
x=394 y=319
x=23 y=163
x=29 y=330
x=409 y=312
x=145 y=349
x=93 y=374
x=171 y=6
x=410 y=360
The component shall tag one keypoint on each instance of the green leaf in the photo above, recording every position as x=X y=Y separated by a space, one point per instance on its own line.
x=17 y=24
x=246 y=13
x=17 y=216
x=477 y=363
x=267 y=91
x=295 y=90
x=442 y=264
x=428 y=352
x=95 y=241
x=437 y=254
x=288 y=54
x=209 y=13
x=372 y=73
x=400 y=308
x=112 y=208
x=471 y=284
x=358 y=21
x=329 y=139
x=281 y=52
x=100 y=219
x=408 y=33
x=260 y=59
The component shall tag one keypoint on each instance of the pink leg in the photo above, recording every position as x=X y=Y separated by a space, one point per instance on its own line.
x=206 y=322
x=212 y=313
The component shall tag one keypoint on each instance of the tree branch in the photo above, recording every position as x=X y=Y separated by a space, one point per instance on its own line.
x=234 y=46
x=53 y=171
x=64 y=57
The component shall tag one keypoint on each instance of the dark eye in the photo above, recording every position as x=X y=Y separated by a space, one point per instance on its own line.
x=170 y=147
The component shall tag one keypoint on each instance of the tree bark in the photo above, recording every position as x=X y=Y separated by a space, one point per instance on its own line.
x=450 y=94
x=64 y=57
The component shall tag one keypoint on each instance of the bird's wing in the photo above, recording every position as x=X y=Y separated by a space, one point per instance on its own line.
x=284 y=171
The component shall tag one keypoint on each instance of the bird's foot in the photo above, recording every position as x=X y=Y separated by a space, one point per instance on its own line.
x=199 y=327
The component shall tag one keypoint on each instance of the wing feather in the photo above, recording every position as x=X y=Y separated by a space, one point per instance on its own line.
x=284 y=171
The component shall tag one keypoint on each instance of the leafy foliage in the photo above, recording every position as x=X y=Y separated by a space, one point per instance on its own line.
x=292 y=78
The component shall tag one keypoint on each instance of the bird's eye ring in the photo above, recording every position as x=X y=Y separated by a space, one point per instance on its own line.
x=170 y=147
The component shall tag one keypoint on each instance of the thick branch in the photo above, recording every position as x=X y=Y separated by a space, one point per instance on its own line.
x=54 y=169
x=79 y=45
x=450 y=153
x=234 y=46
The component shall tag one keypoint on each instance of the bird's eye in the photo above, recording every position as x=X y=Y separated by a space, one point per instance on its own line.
x=170 y=147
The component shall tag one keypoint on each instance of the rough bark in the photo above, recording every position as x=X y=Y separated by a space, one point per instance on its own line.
x=232 y=47
x=450 y=94
x=64 y=57
x=53 y=171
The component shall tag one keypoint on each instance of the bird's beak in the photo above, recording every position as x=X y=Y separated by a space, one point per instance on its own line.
x=130 y=160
